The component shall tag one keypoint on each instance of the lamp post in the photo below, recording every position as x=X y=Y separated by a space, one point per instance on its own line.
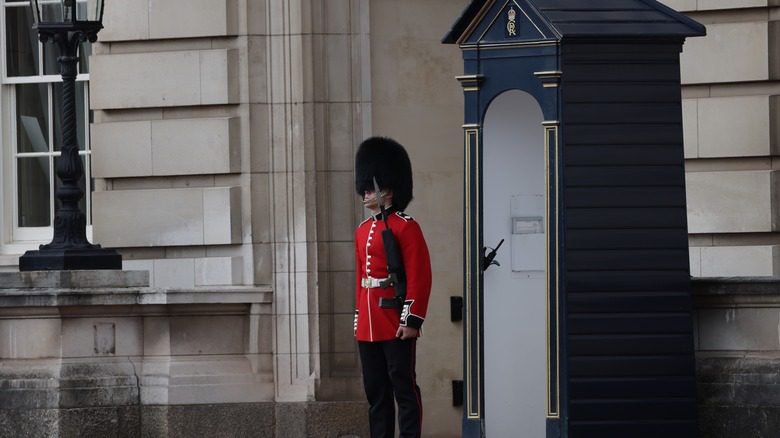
x=68 y=23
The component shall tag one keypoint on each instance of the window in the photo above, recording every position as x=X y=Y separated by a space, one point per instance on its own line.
x=31 y=93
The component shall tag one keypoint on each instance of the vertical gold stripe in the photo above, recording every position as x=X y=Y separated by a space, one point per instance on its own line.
x=547 y=260
x=477 y=250
x=474 y=385
x=557 y=283
x=551 y=141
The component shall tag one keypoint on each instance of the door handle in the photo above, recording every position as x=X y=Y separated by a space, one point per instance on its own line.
x=488 y=259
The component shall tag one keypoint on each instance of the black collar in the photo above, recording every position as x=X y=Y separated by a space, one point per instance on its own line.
x=390 y=210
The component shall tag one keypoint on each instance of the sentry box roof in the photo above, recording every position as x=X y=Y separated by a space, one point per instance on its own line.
x=564 y=19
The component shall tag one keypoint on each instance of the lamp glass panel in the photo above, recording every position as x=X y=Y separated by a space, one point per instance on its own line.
x=90 y=9
x=52 y=11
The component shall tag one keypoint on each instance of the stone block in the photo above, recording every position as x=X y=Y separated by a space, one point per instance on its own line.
x=181 y=78
x=740 y=329
x=338 y=67
x=171 y=217
x=140 y=265
x=681 y=5
x=219 y=271
x=195 y=146
x=121 y=149
x=191 y=335
x=738 y=261
x=694 y=255
x=16 y=337
x=261 y=214
x=125 y=20
x=707 y=5
x=221 y=420
x=733 y=127
x=43 y=423
x=322 y=419
x=166 y=147
x=719 y=421
x=746 y=45
x=174 y=273
x=730 y=202
x=218 y=76
x=104 y=337
x=257 y=48
x=219 y=227
x=192 y=18
x=157 y=336
x=113 y=421
x=690 y=116
x=263 y=263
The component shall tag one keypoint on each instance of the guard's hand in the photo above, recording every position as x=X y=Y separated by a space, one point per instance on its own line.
x=406 y=333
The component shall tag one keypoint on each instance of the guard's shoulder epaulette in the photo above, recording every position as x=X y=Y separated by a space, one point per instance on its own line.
x=404 y=216
x=364 y=221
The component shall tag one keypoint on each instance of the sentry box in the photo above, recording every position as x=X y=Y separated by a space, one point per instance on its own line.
x=574 y=159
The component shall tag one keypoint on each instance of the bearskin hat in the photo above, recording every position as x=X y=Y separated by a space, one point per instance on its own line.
x=387 y=161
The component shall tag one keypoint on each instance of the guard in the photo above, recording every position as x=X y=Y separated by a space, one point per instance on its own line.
x=393 y=273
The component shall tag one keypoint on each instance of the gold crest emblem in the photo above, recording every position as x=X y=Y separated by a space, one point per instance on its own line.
x=511 y=26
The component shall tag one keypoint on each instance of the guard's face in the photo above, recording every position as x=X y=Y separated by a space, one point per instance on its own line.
x=370 y=199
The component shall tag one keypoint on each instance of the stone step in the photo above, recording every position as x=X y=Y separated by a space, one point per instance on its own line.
x=9 y=263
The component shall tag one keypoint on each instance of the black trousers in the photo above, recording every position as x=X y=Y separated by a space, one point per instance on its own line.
x=388 y=370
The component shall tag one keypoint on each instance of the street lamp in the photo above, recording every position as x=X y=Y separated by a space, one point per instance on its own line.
x=68 y=23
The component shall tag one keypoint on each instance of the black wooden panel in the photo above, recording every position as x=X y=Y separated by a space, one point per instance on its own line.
x=638 y=29
x=633 y=429
x=600 y=302
x=625 y=134
x=633 y=175
x=671 y=409
x=609 y=15
x=635 y=259
x=626 y=281
x=613 y=219
x=628 y=323
x=619 y=92
x=621 y=72
x=627 y=387
x=632 y=344
x=623 y=112
x=625 y=197
x=581 y=51
x=624 y=155
x=631 y=238
x=563 y=5
x=631 y=366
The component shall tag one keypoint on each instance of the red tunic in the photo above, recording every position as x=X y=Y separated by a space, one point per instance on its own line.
x=373 y=323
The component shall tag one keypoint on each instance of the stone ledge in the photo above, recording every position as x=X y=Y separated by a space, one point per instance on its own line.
x=735 y=291
x=73 y=279
x=106 y=296
x=735 y=286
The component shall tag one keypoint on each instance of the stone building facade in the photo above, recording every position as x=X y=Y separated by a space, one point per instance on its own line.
x=221 y=147
x=730 y=120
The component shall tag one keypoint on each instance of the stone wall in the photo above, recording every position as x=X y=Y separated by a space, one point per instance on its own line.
x=738 y=356
x=100 y=354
